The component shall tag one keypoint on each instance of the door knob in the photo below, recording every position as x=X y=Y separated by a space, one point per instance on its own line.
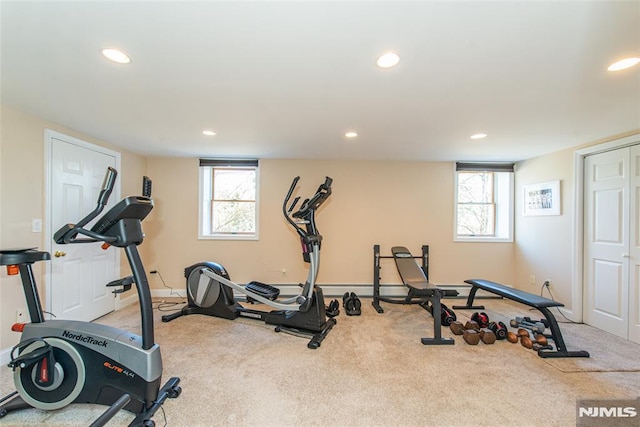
x=625 y=255
x=58 y=254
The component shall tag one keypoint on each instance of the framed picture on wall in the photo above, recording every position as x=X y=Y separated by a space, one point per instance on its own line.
x=542 y=199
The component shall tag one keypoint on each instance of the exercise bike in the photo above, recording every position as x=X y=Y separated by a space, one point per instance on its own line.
x=59 y=362
x=210 y=290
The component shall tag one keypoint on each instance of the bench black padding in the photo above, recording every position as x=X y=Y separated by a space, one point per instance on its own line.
x=538 y=302
x=420 y=291
x=410 y=273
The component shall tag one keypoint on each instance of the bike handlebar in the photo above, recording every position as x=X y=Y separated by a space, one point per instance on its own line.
x=68 y=233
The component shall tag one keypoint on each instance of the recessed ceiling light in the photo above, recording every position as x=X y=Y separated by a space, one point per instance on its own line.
x=116 y=56
x=208 y=132
x=623 y=63
x=388 y=60
x=351 y=134
x=478 y=136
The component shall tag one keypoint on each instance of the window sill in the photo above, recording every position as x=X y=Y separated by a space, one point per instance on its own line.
x=483 y=239
x=228 y=237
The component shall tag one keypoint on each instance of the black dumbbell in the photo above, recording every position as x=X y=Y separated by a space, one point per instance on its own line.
x=498 y=328
x=351 y=304
x=481 y=318
x=447 y=316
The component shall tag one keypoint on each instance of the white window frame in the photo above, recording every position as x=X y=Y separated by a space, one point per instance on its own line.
x=504 y=197
x=204 y=205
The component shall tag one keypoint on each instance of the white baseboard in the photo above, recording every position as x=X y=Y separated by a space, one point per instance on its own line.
x=125 y=302
x=5 y=356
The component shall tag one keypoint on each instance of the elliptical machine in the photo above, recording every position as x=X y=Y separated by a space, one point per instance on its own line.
x=210 y=290
x=58 y=362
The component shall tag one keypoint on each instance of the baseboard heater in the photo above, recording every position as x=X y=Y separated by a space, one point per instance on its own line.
x=331 y=291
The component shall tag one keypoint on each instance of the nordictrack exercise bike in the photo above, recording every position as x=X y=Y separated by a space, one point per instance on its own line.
x=210 y=290
x=59 y=362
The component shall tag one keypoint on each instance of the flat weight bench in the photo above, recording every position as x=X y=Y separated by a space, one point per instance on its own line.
x=420 y=290
x=536 y=301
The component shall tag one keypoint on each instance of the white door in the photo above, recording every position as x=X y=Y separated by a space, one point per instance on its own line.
x=612 y=241
x=607 y=241
x=78 y=272
x=634 y=245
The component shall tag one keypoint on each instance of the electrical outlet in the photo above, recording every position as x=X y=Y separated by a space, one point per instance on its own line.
x=547 y=283
x=21 y=315
x=284 y=272
x=532 y=279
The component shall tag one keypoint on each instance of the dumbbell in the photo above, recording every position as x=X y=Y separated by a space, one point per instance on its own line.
x=473 y=337
x=458 y=328
x=481 y=318
x=499 y=329
x=472 y=333
x=447 y=316
x=522 y=322
x=544 y=321
x=469 y=331
x=537 y=347
x=487 y=336
x=539 y=341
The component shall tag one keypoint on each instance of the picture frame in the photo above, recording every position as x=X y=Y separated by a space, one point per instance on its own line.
x=542 y=199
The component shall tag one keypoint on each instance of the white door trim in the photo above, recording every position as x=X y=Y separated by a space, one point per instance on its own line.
x=577 y=288
x=49 y=135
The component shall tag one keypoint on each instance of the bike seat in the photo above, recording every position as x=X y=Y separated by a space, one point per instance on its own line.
x=15 y=256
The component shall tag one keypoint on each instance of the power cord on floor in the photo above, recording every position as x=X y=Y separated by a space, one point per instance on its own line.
x=546 y=285
x=168 y=306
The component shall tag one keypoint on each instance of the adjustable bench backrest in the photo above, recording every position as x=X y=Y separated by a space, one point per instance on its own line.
x=410 y=272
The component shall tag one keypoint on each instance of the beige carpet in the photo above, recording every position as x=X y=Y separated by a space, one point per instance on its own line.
x=371 y=371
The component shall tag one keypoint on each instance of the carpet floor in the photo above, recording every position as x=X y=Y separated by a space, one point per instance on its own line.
x=372 y=370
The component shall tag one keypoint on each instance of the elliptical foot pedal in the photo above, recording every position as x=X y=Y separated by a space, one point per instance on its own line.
x=267 y=291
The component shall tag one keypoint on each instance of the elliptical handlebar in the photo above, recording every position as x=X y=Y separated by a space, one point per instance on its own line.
x=68 y=233
x=307 y=210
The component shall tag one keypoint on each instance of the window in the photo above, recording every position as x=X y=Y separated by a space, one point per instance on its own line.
x=228 y=199
x=484 y=202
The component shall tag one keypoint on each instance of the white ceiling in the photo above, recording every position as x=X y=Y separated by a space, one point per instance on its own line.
x=288 y=79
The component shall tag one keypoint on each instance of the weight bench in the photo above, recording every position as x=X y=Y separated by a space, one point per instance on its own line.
x=536 y=301
x=420 y=290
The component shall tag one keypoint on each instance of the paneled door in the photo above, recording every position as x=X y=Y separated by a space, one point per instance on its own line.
x=79 y=272
x=612 y=241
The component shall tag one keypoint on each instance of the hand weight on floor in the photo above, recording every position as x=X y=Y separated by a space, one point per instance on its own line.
x=457 y=328
x=471 y=337
x=447 y=316
x=472 y=324
x=499 y=328
x=482 y=319
x=487 y=336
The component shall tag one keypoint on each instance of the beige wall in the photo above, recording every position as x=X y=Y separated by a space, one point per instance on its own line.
x=384 y=202
x=22 y=199
x=544 y=244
